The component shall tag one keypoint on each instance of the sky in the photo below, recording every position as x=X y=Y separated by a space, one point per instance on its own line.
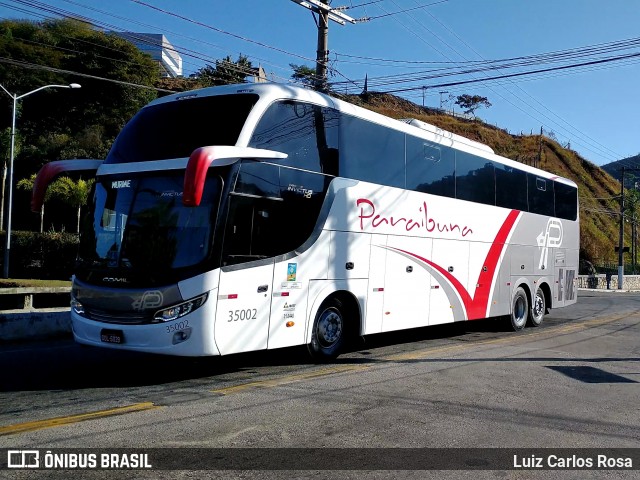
x=592 y=109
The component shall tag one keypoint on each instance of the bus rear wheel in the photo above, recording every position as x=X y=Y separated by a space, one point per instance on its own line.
x=519 y=309
x=538 y=308
x=328 y=335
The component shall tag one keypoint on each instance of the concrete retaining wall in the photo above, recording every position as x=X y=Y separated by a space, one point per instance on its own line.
x=20 y=325
x=608 y=282
x=27 y=321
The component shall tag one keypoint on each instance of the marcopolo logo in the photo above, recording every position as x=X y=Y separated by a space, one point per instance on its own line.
x=23 y=459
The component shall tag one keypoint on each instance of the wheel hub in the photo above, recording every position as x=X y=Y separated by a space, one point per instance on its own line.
x=329 y=328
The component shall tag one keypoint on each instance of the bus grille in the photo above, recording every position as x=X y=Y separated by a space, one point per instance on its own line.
x=117 y=317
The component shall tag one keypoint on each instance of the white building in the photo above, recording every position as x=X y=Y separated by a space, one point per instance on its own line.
x=160 y=49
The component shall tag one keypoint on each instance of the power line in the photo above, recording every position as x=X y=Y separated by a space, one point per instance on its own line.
x=404 y=11
x=35 y=66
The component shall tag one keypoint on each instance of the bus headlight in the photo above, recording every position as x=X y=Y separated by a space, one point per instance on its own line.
x=180 y=310
x=77 y=307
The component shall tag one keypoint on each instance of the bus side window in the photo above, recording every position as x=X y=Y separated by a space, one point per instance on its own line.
x=566 y=201
x=430 y=167
x=307 y=133
x=475 y=179
x=511 y=188
x=371 y=152
x=541 y=198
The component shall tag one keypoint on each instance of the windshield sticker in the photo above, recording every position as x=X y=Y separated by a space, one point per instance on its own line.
x=121 y=184
x=299 y=189
x=291 y=272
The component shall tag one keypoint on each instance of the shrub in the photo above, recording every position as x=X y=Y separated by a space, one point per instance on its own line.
x=49 y=255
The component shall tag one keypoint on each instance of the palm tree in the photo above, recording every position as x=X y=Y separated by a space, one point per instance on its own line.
x=52 y=191
x=74 y=193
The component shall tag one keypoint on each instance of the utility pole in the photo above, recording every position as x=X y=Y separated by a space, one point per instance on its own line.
x=441 y=93
x=621 y=236
x=325 y=13
x=540 y=149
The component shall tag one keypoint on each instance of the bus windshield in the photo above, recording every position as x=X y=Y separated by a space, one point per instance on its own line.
x=175 y=129
x=139 y=224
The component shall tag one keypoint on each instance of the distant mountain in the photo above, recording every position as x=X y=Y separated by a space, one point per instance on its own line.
x=614 y=168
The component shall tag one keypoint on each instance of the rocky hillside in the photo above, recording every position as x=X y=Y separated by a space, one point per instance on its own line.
x=597 y=189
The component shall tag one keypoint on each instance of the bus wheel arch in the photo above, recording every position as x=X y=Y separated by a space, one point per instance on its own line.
x=337 y=320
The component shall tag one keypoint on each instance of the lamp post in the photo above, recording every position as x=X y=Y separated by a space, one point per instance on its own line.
x=15 y=97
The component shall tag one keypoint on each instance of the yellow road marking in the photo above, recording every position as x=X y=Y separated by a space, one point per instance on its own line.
x=59 y=421
x=416 y=355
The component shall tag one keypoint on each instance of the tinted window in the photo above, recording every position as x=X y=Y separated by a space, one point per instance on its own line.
x=541 y=196
x=430 y=167
x=566 y=201
x=307 y=133
x=175 y=129
x=371 y=152
x=272 y=211
x=475 y=179
x=141 y=223
x=511 y=188
x=260 y=179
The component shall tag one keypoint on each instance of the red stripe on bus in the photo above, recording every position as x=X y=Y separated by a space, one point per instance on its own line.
x=476 y=306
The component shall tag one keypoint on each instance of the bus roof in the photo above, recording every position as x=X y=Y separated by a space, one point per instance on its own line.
x=271 y=92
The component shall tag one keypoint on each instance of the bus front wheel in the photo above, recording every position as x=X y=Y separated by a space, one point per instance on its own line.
x=519 y=309
x=328 y=335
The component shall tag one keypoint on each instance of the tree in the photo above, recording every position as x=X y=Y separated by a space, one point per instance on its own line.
x=74 y=193
x=225 y=72
x=470 y=103
x=55 y=123
x=303 y=74
x=52 y=191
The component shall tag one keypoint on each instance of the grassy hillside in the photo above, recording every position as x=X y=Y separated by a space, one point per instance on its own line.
x=598 y=191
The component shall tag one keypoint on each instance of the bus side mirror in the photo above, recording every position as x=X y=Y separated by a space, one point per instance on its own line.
x=219 y=156
x=49 y=172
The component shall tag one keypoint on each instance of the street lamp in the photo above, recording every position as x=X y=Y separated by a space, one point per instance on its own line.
x=15 y=97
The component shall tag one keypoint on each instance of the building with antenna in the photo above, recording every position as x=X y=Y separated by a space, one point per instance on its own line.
x=160 y=49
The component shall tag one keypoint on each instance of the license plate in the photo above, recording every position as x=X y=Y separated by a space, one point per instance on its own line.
x=112 y=336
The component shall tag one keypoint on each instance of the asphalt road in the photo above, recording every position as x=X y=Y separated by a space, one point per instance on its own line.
x=571 y=383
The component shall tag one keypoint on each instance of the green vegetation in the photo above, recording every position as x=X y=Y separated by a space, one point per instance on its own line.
x=20 y=282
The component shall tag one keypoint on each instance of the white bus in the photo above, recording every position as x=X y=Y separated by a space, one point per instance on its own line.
x=248 y=217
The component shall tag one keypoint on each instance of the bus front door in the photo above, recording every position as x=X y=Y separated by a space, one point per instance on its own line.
x=244 y=308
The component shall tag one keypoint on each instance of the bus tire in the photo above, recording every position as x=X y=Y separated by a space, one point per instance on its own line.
x=538 y=308
x=328 y=334
x=519 y=309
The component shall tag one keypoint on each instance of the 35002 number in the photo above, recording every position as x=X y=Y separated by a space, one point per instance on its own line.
x=174 y=327
x=248 y=314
